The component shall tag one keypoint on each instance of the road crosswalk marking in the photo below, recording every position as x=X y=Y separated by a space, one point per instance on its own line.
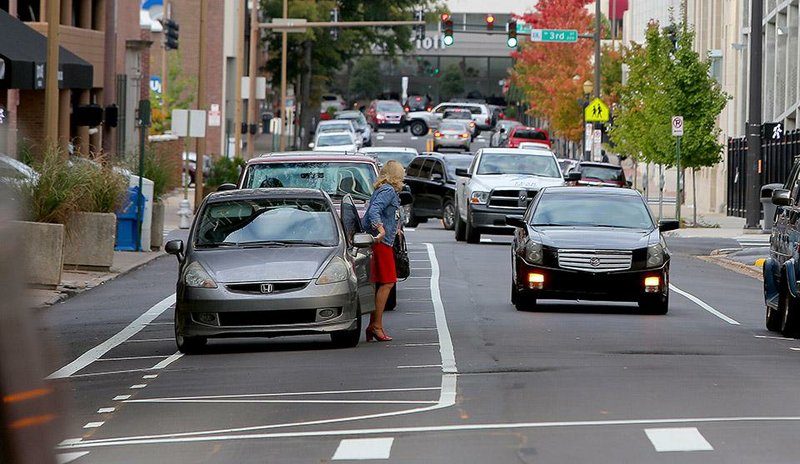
x=363 y=448
x=678 y=439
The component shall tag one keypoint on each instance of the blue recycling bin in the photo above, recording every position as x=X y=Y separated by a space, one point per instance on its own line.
x=127 y=221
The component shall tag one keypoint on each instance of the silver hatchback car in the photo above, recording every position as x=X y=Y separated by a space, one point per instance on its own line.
x=270 y=262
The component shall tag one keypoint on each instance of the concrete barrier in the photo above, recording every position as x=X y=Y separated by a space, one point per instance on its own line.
x=42 y=252
x=89 y=241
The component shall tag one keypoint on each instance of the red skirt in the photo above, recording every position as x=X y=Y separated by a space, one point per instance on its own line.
x=383 y=269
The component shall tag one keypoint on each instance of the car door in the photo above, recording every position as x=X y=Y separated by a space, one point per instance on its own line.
x=360 y=258
x=779 y=238
x=412 y=177
x=437 y=189
x=422 y=203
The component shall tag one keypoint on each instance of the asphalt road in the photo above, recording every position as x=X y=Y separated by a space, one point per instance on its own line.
x=467 y=379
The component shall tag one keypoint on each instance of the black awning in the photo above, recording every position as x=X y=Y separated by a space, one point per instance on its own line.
x=24 y=52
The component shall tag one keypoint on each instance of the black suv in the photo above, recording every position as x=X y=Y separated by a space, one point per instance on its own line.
x=782 y=267
x=432 y=180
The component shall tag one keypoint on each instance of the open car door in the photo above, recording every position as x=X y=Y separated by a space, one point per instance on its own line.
x=361 y=257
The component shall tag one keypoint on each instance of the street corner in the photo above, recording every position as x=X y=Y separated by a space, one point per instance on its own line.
x=746 y=261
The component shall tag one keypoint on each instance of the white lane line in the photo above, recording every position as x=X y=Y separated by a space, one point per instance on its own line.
x=409 y=229
x=106 y=410
x=70 y=441
x=445 y=341
x=486 y=240
x=94 y=425
x=703 y=305
x=795 y=348
x=421 y=366
x=308 y=393
x=150 y=340
x=254 y=401
x=131 y=358
x=360 y=449
x=772 y=337
x=138 y=386
x=149 y=376
x=194 y=437
x=176 y=356
x=95 y=374
x=120 y=397
x=69 y=457
x=678 y=439
x=123 y=335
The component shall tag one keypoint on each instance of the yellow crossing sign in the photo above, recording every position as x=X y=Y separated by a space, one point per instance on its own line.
x=597 y=111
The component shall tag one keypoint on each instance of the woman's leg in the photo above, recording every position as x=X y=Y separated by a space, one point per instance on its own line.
x=381 y=296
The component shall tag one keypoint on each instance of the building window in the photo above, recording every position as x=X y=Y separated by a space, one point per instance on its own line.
x=715 y=57
x=28 y=10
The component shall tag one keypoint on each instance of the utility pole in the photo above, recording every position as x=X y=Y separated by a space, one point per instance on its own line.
x=51 y=97
x=237 y=117
x=753 y=187
x=597 y=27
x=251 y=99
x=202 y=103
x=284 y=120
x=164 y=65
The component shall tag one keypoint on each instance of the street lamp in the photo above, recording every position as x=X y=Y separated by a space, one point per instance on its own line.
x=588 y=88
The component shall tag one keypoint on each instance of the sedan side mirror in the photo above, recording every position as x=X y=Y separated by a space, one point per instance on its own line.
x=175 y=247
x=515 y=220
x=461 y=172
x=436 y=177
x=666 y=226
x=780 y=197
x=572 y=177
x=406 y=198
x=363 y=240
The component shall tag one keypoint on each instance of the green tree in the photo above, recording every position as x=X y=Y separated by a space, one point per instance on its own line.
x=363 y=80
x=180 y=95
x=452 y=84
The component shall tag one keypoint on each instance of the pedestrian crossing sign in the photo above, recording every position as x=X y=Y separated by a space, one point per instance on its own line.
x=597 y=111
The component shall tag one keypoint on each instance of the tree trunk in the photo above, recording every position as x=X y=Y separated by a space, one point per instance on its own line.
x=694 y=195
x=306 y=117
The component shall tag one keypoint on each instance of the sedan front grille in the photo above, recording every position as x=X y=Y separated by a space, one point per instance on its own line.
x=260 y=288
x=595 y=260
x=511 y=198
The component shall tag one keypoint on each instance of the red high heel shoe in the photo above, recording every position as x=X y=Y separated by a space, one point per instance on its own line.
x=377 y=334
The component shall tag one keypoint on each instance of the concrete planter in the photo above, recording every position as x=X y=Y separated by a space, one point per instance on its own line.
x=157 y=225
x=42 y=252
x=89 y=241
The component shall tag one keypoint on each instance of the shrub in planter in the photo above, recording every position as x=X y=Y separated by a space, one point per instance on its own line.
x=224 y=170
x=159 y=168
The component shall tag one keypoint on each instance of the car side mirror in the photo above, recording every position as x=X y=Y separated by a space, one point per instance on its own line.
x=437 y=177
x=572 y=177
x=628 y=183
x=502 y=130
x=175 y=247
x=227 y=186
x=780 y=197
x=406 y=198
x=515 y=220
x=363 y=240
x=666 y=226
x=461 y=172
x=311 y=145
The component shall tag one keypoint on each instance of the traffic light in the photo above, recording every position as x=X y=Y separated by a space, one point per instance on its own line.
x=171 y=34
x=447 y=27
x=512 y=41
x=335 y=19
x=419 y=31
x=490 y=22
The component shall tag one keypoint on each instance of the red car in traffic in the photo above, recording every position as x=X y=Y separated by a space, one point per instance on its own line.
x=522 y=134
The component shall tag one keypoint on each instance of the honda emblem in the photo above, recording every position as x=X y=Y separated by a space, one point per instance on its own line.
x=266 y=288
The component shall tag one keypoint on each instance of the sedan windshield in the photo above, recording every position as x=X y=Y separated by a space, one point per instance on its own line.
x=267 y=222
x=592 y=210
x=519 y=163
x=390 y=107
x=530 y=134
x=453 y=126
x=606 y=173
x=334 y=140
x=335 y=178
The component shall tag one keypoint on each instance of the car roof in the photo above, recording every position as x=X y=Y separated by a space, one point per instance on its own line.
x=517 y=151
x=258 y=193
x=332 y=133
x=575 y=190
x=333 y=121
x=311 y=156
x=443 y=156
x=387 y=149
x=521 y=128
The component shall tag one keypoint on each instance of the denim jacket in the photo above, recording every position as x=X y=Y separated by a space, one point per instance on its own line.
x=383 y=208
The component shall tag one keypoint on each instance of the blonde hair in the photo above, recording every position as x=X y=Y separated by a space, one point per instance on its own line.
x=393 y=174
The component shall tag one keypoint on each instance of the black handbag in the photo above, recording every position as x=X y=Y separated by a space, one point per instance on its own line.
x=401 y=263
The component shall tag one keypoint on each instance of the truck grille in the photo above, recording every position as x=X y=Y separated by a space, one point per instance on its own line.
x=511 y=198
x=595 y=260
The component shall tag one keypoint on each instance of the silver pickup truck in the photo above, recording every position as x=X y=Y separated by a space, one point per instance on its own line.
x=420 y=121
x=501 y=181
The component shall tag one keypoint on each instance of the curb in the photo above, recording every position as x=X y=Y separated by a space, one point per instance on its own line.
x=741 y=268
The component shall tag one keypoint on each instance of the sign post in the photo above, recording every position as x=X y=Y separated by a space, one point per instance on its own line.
x=677 y=131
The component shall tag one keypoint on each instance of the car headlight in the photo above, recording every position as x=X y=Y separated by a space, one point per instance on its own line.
x=655 y=255
x=479 y=197
x=335 y=271
x=533 y=252
x=196 y=276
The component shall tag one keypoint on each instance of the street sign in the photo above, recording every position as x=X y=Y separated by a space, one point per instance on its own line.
x=214 y=116
x=677 y=126
x=288 y=22
x=554 y=35
x=597 y=111
x=155 y=84
x=523 y=27
x=189 y=123
x=772 y=130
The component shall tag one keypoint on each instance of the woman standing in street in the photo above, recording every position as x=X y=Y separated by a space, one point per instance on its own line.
x=380 y=220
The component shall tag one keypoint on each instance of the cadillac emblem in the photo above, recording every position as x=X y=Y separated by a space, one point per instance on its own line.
x=266 y=288
x=595 y=261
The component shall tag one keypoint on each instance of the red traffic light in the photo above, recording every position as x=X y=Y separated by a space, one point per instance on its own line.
x=445 y=17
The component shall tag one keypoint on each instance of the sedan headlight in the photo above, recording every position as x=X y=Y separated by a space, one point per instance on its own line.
x=533 y=252
x=335 y=271
x=655 y=255
x=479 y=198
x=196 y=276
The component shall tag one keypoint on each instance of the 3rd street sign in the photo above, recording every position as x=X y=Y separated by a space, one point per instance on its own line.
x=554 y=35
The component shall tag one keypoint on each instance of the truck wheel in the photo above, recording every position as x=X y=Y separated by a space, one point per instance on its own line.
x=460 y=228
x=472 y=234
x=418 y=128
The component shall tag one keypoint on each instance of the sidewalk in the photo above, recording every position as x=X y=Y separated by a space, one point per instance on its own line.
x=77 y=281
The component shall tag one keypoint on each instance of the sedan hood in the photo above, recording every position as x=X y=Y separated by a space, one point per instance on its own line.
x=491 y=182
x=236 y=265
x=596 y=238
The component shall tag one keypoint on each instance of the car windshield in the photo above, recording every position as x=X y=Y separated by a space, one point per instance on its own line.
x=453 y=126
x=333 y=140
x=278 y=222
x=457 y=162
x=519 y=163
x=403 y=157
x=335 y=178
x=604 y=173
x=416 y=103
x=593 y=210
x=392 y=107
x=529 y=134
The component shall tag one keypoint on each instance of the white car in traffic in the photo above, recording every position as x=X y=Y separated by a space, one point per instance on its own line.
x=336 y=141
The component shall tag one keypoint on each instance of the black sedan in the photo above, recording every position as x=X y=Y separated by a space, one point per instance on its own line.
x=269 y=262
x=590 y=244
x=431 y=177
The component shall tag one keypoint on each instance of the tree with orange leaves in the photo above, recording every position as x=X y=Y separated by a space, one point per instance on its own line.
x=552 y=74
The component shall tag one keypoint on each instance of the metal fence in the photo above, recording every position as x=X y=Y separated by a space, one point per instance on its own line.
x=777 y=157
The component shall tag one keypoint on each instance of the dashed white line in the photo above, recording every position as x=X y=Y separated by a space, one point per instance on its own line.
x=168 y=361
x=120 y=397
x=795 y=348
x=361 y=449
x=94 y=425
x=70 y=441
x=678 y=439
x=772 y=337
x=95 y=374
x=106 y=410
x=150 y=376
x=66 y=458
x=138 y=386
x=703 y=305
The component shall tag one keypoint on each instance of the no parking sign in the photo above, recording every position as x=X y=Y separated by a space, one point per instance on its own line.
x=677 y=126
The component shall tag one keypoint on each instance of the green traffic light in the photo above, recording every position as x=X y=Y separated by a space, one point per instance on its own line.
x=448 y=40
x=512 y=42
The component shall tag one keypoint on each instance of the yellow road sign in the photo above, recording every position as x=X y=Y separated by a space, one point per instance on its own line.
x=597 y=111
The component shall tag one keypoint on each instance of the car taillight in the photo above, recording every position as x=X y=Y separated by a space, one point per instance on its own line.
x=465 y=135
x=407 y=109
x=429 y=109
x=488 y=120
x=437 y=134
